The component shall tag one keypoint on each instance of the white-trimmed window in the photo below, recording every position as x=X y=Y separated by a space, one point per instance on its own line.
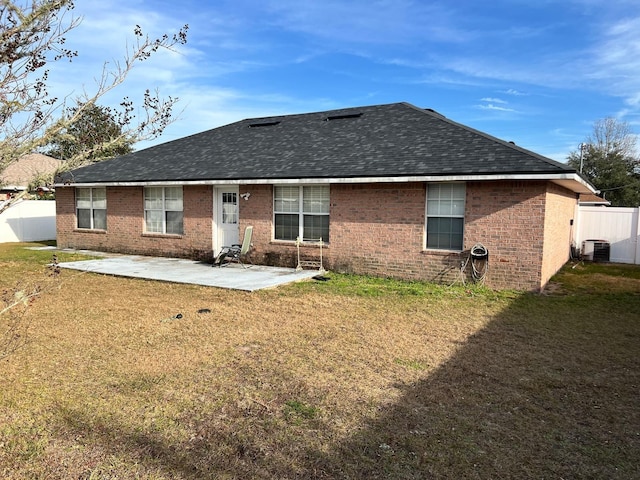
x=91 y=208
x=163 y=210
x=445 y=215
x=301 y=212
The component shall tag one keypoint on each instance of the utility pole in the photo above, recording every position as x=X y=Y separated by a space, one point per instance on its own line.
x=583 y=146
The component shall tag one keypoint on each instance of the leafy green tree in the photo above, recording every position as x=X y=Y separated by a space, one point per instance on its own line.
x=610 y=161
x=97 y=134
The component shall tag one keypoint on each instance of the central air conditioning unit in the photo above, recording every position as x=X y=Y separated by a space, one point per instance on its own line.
x=596 y=250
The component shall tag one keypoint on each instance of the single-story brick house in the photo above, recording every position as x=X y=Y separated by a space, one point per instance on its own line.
x=392 y=190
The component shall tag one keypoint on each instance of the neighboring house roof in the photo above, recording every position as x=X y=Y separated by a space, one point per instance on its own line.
x=590 y=199
x=394 y=142
x=20 y=173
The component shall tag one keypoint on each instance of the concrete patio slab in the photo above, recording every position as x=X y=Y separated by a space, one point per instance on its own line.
x=177 y=270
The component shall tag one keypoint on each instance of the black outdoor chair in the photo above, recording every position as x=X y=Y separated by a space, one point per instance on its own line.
x=236 y=252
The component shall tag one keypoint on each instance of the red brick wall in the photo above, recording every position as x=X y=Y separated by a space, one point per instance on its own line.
x=376 y=229
x=560 y=209
x=257 y=211
x=65 y=217
x=507 y=217
x=125 y=224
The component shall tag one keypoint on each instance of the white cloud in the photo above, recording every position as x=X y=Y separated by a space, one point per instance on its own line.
x=617 y=60
x=493 y=100
x=496 y=108
x=514 y=92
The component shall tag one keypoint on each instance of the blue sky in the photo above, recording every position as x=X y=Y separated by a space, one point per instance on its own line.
x=538 y=73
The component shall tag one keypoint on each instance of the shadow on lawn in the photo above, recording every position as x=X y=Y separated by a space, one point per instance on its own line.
x=532 y=395
x=526 y=397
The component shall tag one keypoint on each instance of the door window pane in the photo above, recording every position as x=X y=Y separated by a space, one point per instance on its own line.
x=229 y=208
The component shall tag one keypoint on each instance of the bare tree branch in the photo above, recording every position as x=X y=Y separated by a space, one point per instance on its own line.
x=32 y=37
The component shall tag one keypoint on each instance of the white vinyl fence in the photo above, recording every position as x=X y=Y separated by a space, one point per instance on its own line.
x=28 y=221
x=618 y=226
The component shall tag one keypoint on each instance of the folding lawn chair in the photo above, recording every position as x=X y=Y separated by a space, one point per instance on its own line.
x=236 y=252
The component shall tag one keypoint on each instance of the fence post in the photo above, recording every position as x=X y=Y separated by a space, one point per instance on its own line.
x=637 y=239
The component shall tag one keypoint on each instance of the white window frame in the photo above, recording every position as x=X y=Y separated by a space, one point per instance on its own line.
x=447 y=206
x=163 y=205
x=96 y=203
x=319 y=208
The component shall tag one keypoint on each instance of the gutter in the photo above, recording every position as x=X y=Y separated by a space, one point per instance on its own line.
x=572 y=181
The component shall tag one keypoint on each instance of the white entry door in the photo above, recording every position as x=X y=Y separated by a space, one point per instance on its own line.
x=226 y=211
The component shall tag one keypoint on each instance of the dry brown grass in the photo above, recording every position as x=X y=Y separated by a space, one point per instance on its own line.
x=351 y=378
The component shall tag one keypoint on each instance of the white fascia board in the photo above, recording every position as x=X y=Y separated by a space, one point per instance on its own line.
x=571 y=181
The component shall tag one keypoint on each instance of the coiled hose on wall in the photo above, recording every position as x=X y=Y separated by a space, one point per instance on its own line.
x=479 y=258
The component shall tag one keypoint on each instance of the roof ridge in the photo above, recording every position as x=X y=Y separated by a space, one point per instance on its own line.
x=318 y=112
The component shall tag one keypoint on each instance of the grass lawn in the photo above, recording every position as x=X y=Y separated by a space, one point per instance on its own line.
x=352 y=378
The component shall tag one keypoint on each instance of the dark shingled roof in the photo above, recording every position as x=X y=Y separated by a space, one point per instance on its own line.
x=394 y=140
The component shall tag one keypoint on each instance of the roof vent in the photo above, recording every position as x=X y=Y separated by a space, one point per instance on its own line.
x=343 y=116
x=434 y=112
x=263 y=124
